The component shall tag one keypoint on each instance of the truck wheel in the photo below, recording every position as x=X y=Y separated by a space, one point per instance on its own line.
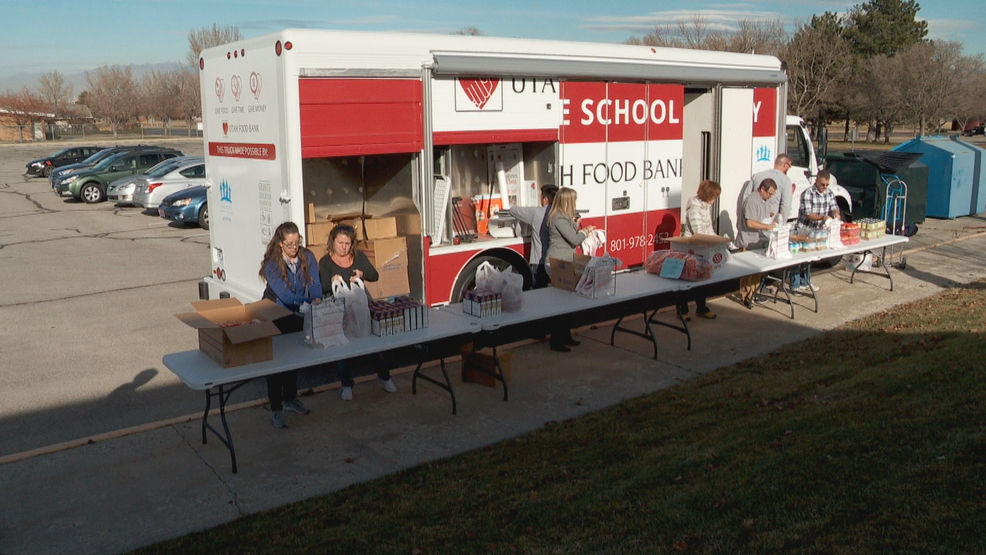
x=204 y=216
x=467 y=279
x=91 y=193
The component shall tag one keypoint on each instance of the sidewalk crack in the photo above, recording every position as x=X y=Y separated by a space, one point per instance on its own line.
x=235 y=498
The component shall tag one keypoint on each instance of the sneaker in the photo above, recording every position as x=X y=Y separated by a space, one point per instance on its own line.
x=388 y=385
x=709 y=314
x=347 y=394
x=814 y=287
x=799 y=289
x=277 y=419
x=294 y=405
x=748 y=303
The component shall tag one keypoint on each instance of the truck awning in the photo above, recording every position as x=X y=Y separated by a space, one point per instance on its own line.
x=574 y=67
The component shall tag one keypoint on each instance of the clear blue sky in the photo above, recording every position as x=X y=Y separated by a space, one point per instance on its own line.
x=72 y=35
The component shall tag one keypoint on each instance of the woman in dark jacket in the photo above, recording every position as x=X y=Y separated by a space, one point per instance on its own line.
x=291 y=273
x=343 y=263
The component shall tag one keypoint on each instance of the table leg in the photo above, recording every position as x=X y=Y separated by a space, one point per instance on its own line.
x=447 y=386
x=225 y=437
x=883 y=263
x=648 y=333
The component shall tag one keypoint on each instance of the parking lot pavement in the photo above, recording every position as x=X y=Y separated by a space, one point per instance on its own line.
x=86 y=314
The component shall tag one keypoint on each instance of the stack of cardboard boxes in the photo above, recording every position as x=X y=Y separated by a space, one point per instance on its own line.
x=377 y=239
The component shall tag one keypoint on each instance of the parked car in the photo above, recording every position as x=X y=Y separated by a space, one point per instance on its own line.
x=187 y=206
x=71 y=155
x=151 y=191
x=89 y=184
x=59 y=173
x=121 y=191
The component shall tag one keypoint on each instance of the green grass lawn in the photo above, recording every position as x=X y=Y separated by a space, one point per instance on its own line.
x=865 y=439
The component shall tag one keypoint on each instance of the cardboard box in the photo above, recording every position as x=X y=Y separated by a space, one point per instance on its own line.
x=472 y=362
x=566 y=274
x=389 y=257
x=713 y=248
x=318 y=250
x=318 y=233
x=380 y=228
x=245 y=342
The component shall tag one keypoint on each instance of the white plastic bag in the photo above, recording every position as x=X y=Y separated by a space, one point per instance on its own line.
x=779 y=248
x=597 y=278
x=488 y=278
x=835 y=234
x=324 y=323
x=357 y=320
x=860 y=262
x=513 y=292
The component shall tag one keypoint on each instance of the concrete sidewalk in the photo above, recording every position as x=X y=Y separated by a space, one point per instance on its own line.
x=123 y=493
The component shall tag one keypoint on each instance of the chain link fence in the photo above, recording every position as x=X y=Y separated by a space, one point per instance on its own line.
x=39 y=132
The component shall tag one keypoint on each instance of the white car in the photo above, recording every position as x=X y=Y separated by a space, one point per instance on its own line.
x=121 y=191
x=151 y=189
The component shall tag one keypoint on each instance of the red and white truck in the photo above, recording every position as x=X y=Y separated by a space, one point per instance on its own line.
x=433 y=129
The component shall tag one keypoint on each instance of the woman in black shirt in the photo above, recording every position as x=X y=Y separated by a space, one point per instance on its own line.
x=343 y=263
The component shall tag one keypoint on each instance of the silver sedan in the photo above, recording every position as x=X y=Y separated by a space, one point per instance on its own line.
x=151 y=189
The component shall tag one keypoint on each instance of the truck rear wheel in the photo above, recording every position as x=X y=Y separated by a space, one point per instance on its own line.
x=467 y=279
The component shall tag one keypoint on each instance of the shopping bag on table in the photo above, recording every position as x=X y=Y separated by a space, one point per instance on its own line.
x=488 y=278
x=324 y=323
x=357 y=316
x=778 y=246
x=512 y=292
x=834 y=228
x=597 y=278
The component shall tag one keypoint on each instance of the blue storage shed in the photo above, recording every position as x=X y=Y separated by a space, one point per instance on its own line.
x=956 y=180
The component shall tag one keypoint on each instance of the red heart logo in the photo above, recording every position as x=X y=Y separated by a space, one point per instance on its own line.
x=225 y=128
x=479 y=91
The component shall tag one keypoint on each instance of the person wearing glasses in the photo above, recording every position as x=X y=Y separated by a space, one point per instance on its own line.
x=783 y=202
x=291 y=273
x=344 y=263
x=818 y=206
x=756 y=219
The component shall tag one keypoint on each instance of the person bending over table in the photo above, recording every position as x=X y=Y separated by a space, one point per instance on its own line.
x=537 y=218
x=698 y=220
x=755 y=221
x=291 y=273
x=344 y=263
x=563 y=237
x=818 y=206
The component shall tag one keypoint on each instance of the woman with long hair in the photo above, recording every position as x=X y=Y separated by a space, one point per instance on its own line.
x=344 y=263
x=291 y=273
x=698 y=221
x=563 y=237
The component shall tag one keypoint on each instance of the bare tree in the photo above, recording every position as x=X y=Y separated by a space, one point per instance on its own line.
x=55 y=91
x=759 y=36
x=938 y=75
x=818 y=62
x=190 y=99
x=468 y=32
x=882 y=100
x=207 y=37
x=25 y=108
x=752 y=35
x=161 y=95
x=113 y=95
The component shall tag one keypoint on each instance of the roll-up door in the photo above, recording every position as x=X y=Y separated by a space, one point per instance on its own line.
x=349 y=117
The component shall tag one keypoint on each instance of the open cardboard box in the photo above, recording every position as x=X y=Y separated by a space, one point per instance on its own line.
x=247 y=341
x=566 y=274
x=712 y=248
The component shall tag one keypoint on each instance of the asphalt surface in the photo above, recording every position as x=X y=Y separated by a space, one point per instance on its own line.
x=86 y=314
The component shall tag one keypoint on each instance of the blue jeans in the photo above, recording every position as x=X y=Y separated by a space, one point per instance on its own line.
x=801 y=277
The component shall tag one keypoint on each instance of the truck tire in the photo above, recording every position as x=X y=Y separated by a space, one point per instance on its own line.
x=92 y=193
x=204 y=216
x=467 y=279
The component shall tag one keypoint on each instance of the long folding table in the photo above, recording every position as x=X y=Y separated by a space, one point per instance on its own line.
x=445 y=331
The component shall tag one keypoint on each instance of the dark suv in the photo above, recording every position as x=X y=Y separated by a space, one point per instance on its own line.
x=89 y=184
x=64 y=157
